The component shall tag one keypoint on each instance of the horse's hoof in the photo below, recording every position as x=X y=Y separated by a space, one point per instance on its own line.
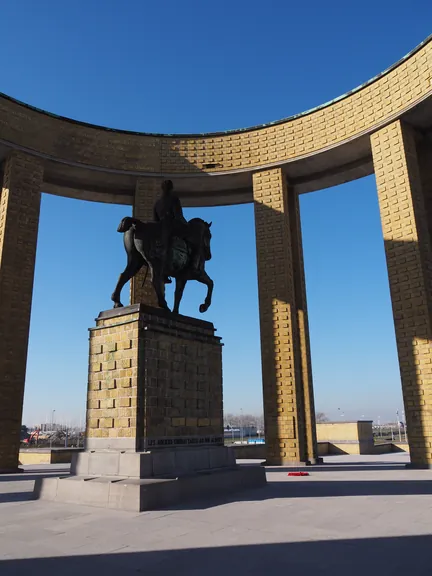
x=203 y=308
x=118 y=305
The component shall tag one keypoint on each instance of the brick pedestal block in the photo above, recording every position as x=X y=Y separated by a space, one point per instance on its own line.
x=19 y=220
x=155 y=381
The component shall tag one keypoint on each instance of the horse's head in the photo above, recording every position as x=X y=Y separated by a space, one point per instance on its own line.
x=206 y=241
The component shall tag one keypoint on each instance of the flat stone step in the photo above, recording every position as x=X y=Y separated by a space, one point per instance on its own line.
x=138 y=495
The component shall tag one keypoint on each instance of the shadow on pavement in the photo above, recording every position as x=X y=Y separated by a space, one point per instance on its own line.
x=310 y=488
x=317 y=489
x=375 y=556
x=354 y=467
x=16 y=497
x=32 y=475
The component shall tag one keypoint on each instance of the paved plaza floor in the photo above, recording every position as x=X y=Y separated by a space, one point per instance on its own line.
x=353 y=515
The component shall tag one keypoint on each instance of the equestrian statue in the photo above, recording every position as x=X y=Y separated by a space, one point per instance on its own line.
x=169 y=247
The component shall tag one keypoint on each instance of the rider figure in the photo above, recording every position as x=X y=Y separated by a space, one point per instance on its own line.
x=168 y=211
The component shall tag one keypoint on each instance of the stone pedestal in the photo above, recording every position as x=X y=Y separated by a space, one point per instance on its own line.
x=154 y=416
x=155 y=381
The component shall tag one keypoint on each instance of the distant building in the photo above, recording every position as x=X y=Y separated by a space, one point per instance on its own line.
x=240 y=432
x=48 y=427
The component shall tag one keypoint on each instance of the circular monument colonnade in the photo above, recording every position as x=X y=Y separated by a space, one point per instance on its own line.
x=383 y=127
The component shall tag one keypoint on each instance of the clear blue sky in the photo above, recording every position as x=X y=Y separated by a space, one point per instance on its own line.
x=195 y=66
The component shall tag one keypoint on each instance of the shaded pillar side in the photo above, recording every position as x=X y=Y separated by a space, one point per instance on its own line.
x=305 y=363
x=19 y=221
x=409 y=261
x=147 y=190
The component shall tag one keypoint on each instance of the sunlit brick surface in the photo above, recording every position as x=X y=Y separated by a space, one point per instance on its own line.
x=154 y=378
x=388 y=96
x=287 y=386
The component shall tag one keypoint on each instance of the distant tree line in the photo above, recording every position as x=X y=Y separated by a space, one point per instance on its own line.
x=242 y=420
x=320 y=417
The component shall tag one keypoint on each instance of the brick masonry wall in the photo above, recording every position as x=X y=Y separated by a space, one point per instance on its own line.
x=290 y=435
x=154 y=381
x=147 y=191
x=19 y=220
x=409 y=260
x=357 y=113
x=183 y=386
x=425 y=164
x=114 y=398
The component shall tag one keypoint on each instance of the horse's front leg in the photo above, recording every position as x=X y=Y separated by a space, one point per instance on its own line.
x=204 y=278
x=180 y=286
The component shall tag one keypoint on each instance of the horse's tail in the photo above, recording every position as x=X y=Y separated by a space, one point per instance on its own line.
x=126 y=224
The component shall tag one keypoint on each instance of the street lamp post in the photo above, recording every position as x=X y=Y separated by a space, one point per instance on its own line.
x=405 y=426
x=79 y=431
x=52 y=426
x=398 y=425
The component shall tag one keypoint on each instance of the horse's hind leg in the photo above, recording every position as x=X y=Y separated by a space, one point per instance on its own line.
x=134 y=265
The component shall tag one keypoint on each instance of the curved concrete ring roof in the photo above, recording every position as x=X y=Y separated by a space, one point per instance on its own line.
x=319 y=148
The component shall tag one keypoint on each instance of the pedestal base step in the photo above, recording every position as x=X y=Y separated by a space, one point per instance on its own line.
x=167 y=462
x=137 y=495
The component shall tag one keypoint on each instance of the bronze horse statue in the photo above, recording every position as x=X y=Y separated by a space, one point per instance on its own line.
x=145 y=246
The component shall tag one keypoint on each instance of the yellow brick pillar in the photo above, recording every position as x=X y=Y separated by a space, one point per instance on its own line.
x=409 y=261
x=287 y=385
x=147 y=190
x=19 y=220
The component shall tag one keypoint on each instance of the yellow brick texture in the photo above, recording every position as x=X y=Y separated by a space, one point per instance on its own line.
x=360 y=111
x=147 y=190
x=408 y=249
x=287 y=384
x=113 y=398
x=19 y=220
x=161 y=384
x=183 y=396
